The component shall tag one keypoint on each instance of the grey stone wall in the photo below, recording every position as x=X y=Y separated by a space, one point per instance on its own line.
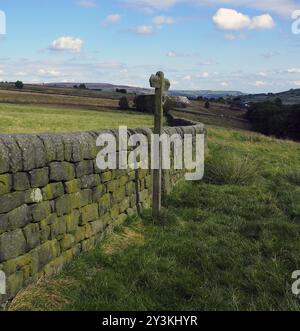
x=55 y=203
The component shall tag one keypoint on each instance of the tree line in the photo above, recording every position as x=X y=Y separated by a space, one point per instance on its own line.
x=276 y=119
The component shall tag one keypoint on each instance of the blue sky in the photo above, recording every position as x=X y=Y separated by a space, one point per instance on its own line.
x=200 y=44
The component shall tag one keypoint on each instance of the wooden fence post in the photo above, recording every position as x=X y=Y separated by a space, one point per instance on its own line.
x=161 y=85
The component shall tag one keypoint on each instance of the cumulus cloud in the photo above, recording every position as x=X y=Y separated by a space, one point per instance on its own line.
x=143 y=29
x=293 y=70
x=112 y=19
x=262 y=22
x=230 y=19
x=67 y=44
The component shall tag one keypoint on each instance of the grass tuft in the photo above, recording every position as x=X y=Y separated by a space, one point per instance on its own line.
x=228 y=168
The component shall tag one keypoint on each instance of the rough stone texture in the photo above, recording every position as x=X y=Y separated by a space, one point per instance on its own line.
x=56 y=203
x=12 y=244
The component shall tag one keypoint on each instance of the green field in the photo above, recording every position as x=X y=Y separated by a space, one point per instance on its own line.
x=230 y=242
x=29 y=119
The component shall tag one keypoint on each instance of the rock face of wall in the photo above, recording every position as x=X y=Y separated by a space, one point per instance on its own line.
x=55 y=203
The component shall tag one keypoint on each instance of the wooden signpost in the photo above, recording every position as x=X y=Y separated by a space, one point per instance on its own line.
x=161 y=85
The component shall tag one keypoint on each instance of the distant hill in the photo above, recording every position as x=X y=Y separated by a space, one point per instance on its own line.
x=206 y=93
x=139 y=90
x=288 y=97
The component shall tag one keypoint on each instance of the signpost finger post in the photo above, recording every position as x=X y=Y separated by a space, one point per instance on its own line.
x=161 y=85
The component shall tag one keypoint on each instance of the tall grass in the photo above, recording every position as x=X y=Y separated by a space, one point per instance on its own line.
x=228 y=168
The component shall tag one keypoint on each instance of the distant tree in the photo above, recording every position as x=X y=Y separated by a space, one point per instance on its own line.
x=278 y=102
x=75 y=86
x=19 y=84
x=200 y=98
x=221 y=100
x=123 y=103
x=207 y=104
x=82 y=86
x=121 y=90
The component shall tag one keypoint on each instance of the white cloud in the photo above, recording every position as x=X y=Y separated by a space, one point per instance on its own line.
x=112 y=19
x=203 y=75
x=87 y=3
x=230 y=19
x=169 y=54
x=144 y=29
x=262 y=22
x=187 y=77
x=260 y=83
x=67 y=44
x=163 y=20
x=297 y=83
x=261 y=74
x=48 y=73
x=294 y=70
x=224 y=84
x=230 y=36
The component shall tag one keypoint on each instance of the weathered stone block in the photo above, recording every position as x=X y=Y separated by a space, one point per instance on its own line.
x=14 y=284
x=72 y=221
x=12 y=244
x=73 y=186
x=33 y=196
x=11 y=266
x=106 y=176
x=98 y=192
x=11 y=201
x=130 y=188
x=58 y=227
x=4 y=158
x=39 y=177
x=86 y=197
x=5 y=183
x=3 y=223
x=80 y=233
x=90 y=181
x=104 y=204
x=75 y=200
x=89 y=213
x=124 y=205
x=44 y=254
x=112 y=186
x=21 y=181
x=40 y=211
x=119 y=195
x=84 y=168
x=32 y=236
x=18 y=217
x=67 y=242
x=53 y=191
x=63 y=205
x=114 y=212
x=45 y=231
x=61 y=171
x=97 y=227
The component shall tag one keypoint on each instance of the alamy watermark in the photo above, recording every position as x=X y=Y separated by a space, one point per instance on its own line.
x=296 y=284
x=133 y=152
x=2 y=283
x=2 y=23
x=296 y=23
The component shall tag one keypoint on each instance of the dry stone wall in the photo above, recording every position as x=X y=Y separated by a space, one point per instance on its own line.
x=55 y=203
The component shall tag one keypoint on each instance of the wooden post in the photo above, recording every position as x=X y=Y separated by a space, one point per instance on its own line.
x=160 y=84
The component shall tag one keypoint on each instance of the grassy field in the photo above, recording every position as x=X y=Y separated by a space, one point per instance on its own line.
x=30 y=119
x=230 y=242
